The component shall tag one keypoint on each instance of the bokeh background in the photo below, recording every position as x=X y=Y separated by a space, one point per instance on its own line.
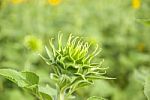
x=120 y=27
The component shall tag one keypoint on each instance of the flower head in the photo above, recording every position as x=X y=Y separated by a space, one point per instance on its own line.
x=17 y=1
x=72 y=63
x=54 y=2
x=136 y=4
x=73 y=58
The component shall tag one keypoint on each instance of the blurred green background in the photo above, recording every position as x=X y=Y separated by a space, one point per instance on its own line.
x=118 y=26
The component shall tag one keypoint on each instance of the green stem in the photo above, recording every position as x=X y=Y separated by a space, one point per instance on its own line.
x=61 y=96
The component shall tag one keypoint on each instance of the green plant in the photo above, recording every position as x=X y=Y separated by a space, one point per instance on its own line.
x=72 y=67
x=147 y=87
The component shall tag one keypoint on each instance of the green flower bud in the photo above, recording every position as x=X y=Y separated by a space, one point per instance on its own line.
x=33 y=43
x=73 y=65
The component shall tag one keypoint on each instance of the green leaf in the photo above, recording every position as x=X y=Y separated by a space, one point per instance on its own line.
x=22 y=79
x=147 y=88
x=32 y=80
x=29 y=81
x=47 y=92
x=45 y=96
x=31 y=77
x=14 y=76
x=96 y=98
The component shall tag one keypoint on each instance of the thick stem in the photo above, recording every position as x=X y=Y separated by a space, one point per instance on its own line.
x=61 y=96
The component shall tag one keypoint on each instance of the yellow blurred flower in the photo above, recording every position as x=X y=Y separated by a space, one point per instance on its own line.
x=136 y=4
x=54 y=2
x=17 y=1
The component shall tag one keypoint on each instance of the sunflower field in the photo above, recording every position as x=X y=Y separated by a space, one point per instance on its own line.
x=74 y=50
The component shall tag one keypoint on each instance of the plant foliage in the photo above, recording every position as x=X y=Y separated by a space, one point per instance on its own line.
x=72 y=68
